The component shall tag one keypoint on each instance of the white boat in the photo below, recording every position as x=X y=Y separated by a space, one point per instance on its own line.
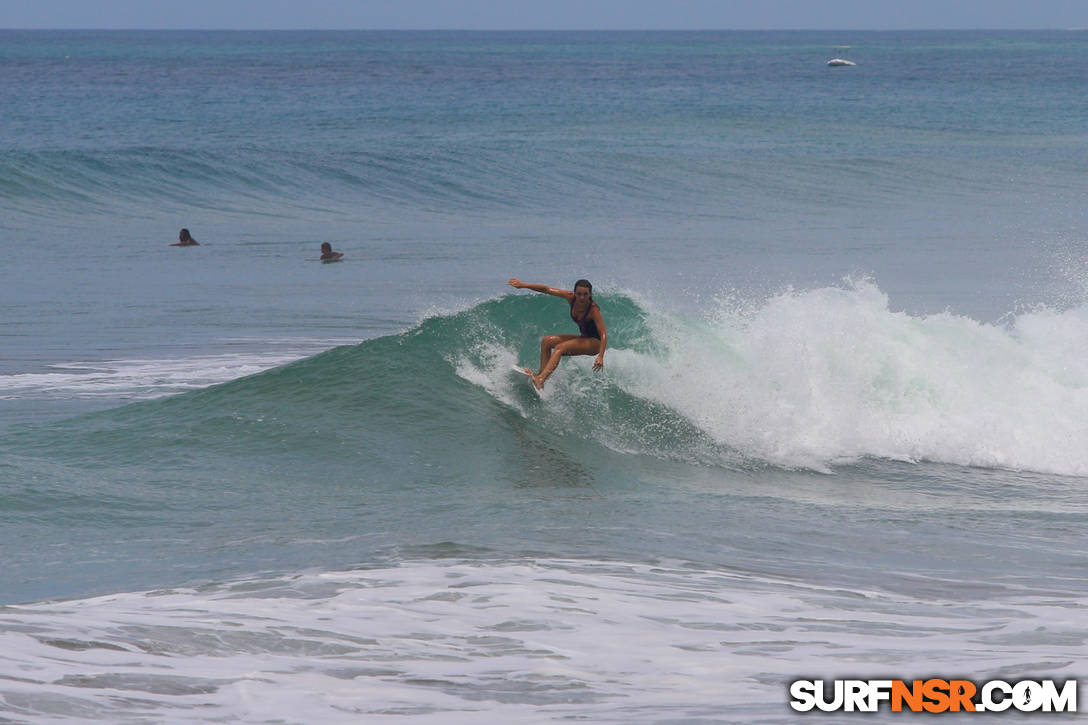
x=840 y=61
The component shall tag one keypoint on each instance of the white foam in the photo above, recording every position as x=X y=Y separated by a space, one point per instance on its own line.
x=488 y=365
x=143 y=378
x=513 y=642
x=812 y=378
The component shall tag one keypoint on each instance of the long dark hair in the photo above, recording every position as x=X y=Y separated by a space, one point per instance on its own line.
x=583 y=283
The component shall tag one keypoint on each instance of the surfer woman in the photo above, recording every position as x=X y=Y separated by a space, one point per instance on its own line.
x=586 y=314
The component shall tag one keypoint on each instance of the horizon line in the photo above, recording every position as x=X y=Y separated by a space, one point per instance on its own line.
x=551 y=30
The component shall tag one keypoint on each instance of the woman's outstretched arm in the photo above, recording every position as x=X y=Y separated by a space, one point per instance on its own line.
x=542 y=288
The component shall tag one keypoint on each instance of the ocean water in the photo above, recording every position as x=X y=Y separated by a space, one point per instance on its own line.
x=842 y=429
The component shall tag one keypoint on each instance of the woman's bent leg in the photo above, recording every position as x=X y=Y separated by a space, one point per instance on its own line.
x=572 y=346
x=547 y=345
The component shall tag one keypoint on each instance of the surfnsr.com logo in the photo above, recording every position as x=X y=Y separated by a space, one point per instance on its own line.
x=933 y=695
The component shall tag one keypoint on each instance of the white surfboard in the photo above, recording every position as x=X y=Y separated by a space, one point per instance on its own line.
x=523 y=371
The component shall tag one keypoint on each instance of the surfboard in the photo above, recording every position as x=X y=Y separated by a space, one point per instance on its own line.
x=539 y=393
x=337 y=258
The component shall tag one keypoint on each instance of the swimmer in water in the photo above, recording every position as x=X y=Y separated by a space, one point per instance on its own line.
x=185 y=240
x=327 y=255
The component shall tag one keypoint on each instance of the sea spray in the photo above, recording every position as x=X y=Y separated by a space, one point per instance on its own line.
x=819 y=377
x=815 y=377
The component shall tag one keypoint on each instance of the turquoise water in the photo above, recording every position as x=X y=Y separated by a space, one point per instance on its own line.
x=840 y=430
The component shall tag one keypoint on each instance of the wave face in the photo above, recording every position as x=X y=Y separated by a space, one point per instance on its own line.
x=801 y=380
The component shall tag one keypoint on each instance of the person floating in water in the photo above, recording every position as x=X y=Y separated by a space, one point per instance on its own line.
x=327 y=255
x=185 y=240
x=592 y=340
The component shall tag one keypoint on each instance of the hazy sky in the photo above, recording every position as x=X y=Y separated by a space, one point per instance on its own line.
x=544 y=14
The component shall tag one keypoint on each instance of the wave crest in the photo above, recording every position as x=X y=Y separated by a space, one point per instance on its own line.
x=814 y=378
